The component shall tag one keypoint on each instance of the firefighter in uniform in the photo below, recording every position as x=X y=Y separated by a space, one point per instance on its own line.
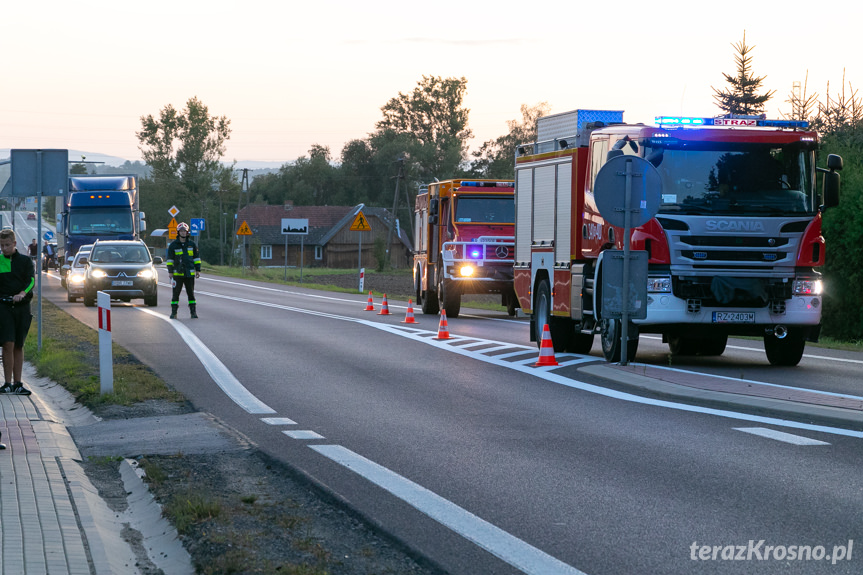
x=184 y=265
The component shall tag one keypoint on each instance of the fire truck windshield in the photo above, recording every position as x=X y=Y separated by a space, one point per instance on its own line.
x=102 y=222
x=739 y=179
x=485 y=209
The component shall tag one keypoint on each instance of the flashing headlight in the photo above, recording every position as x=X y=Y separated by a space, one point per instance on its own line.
x=474 y=252
x=659 y=284
x=807 y=287
x=147 y=274
x=466 y=271
x=98 y=274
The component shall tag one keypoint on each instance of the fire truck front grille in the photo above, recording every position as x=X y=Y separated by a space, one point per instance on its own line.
x=733 y=242
x=772 y=292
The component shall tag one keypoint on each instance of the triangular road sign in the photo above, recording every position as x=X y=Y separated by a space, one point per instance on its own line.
x=244 y=230
x=361 y=224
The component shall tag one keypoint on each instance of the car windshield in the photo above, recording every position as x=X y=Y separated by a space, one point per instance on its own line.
x=735 y=179
x=120 y=254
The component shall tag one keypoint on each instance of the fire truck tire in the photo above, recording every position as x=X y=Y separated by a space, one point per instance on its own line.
x=449 y=299
x=542 y=315
x=787 y=351
x=610 y=338
x=428 y=302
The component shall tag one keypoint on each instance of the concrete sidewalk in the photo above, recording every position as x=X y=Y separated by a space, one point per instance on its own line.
x=52 y=519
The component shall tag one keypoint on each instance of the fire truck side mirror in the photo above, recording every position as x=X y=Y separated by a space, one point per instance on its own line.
x=831 y=189
x=831 y=181
x=433 y=210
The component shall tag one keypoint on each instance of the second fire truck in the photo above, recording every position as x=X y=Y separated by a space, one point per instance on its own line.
x=463 y=243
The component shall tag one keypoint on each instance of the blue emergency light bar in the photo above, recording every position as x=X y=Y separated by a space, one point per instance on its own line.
x=728 y=121
x=487 y=184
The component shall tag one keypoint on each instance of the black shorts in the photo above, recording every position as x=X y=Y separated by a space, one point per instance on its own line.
x=14 y=323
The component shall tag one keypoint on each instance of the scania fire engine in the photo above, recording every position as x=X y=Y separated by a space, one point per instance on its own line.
x=734 y=249
x=464 y=243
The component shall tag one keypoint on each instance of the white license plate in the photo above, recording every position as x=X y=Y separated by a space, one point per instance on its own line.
x=733 y=317
x=122 y=283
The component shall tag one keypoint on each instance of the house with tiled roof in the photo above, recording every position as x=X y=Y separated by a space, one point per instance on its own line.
x=328 y=241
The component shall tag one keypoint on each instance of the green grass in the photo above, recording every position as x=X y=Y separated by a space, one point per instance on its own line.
x=70 y=357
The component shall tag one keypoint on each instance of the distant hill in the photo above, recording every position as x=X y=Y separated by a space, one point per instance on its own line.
x=105 y=164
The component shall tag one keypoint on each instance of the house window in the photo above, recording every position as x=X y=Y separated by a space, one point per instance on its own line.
x=319 y=252
x=266 y=252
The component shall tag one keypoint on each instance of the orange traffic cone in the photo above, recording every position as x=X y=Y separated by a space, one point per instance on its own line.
x=371 y=305
x=385 y=308
x=546 y=349
x=409 y=317
x=443 y=329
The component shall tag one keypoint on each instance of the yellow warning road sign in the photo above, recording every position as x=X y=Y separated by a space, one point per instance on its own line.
x=361 y=224
x=172 y=229
x=244 y=230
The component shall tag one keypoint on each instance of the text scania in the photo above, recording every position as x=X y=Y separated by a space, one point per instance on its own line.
x=734 y=226
x=758 y=551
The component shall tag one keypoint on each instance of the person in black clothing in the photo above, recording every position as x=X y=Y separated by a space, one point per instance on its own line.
x=17 y=278
x=33 y=249
x=184 y=265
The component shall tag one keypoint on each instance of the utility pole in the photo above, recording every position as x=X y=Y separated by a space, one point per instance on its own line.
x=399 y=176
x=243 y=190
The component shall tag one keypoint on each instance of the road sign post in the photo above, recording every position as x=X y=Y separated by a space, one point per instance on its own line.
x=634 y=183
x=295 y=227
x=360 y=224
x=106 y=358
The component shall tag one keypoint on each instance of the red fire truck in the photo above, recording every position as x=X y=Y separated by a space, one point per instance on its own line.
x=734 y=249
x=464 y=243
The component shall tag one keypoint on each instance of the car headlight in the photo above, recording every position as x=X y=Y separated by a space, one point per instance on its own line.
x=76 y=278
x=147 y=274
x=98 y=274
x=466 y=271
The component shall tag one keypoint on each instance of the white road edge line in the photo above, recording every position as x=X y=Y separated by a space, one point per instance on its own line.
x=781 y=436
x=496 y=541
x=217 y=370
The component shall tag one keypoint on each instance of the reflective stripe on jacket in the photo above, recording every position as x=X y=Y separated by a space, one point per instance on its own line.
x=183 y=258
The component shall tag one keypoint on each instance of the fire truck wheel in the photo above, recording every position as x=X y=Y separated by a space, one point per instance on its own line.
x=610 y=338
x=449 y=299
x=787 y=351
x=428 y=302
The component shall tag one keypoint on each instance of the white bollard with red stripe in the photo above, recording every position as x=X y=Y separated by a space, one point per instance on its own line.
x=106 y=356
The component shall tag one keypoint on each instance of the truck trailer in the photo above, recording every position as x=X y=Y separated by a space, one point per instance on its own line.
x=735 y=248
x=463 y=243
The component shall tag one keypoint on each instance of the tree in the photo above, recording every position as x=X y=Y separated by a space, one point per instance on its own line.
x=496 y=158
x=742 y=97
x=803 y=105
x=185 y=146
x=433 y=120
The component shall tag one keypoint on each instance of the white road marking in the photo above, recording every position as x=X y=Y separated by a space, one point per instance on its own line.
x=544 y=373
x=217 y=370
x=278 y=421
x=781 y=436
x=496 y=541
x=302 y=434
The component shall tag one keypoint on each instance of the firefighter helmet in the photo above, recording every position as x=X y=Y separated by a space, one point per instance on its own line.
x=182 y=226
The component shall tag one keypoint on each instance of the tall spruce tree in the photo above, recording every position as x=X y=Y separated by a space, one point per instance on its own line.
x=741 y=96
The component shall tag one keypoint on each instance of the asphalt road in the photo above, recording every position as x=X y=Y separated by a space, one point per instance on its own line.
x=487 y=465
